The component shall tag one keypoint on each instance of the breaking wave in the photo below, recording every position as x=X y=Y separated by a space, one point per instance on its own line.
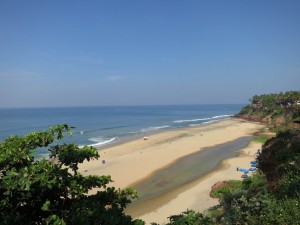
x=193 y=120
x=211 y=121
x=101 y=141
x=201 y=119
x=149 y=129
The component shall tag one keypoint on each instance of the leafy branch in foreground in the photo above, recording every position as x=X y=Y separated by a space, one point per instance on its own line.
x=42 y=192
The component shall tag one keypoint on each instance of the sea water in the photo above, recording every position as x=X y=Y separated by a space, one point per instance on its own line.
x=104 y=125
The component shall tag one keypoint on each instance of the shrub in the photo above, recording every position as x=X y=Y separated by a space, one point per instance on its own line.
x=42 y=192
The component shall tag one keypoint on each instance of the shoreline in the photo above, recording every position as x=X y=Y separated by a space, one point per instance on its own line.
x=187 y=169
x=196 y=194
x=134 y=161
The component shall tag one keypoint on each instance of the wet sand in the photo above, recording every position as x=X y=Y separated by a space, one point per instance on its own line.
x=188 y=169
x=194 y=195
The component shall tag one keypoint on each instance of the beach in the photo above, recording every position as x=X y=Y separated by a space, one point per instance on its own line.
x=132 y=163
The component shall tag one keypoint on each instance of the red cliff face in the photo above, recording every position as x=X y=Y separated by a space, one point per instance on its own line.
x=277 y=111
x=255 y=118
x=272 y=120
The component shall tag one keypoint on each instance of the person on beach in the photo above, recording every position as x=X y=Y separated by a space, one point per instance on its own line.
x=257 y=153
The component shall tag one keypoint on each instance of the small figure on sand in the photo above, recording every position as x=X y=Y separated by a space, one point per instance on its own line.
x=258 y=152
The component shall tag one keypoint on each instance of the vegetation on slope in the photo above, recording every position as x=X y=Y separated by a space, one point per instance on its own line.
x=272 y=196
x=277 y=111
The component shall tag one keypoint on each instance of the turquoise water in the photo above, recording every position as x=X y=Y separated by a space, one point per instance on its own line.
x=100 y=126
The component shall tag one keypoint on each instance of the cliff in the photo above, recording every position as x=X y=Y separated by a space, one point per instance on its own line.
x=277 y=111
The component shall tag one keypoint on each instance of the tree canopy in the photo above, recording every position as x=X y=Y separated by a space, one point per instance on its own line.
x=278 y=111
x=42 y=192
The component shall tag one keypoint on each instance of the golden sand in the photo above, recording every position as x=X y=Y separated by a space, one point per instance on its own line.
x=133 y=161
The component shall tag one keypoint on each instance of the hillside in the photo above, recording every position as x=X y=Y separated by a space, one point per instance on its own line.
x=271 y=196
x=277 y=111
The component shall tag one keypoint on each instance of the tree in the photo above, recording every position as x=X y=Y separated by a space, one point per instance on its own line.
x=43 y=192
x=190 y=217
x=280 y=160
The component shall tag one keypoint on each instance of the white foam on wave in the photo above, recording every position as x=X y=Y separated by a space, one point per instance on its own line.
x=195 y=125
x=148 y=129
x=201 y=119
x=221 y=116
x=207 y=122
x=101 y=141
x=192 y=120
x=134 y=132
x=211 y=121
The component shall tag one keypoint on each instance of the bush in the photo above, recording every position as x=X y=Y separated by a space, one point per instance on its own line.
x=41 y=192
x=191 y=217
x=227 y=186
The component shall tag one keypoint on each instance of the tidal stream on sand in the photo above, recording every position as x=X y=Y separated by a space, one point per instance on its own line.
x=185 y=170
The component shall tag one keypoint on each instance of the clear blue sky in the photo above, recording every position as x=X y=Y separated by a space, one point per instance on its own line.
x=137 y=52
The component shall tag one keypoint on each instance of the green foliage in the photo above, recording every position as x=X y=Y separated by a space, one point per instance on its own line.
x=242 y=208
x=227 y=187
x=255 y=184
x=42 y=192
x=261 y=139
x=246 y=110
x=272 y=195
x=215 y=213
x=277 y=110
x=280 y=160
x=269 y=197
x=191 y=217
x=221 y=191
x=253 y=204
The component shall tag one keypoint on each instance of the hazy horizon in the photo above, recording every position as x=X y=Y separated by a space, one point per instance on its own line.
x=150 y=105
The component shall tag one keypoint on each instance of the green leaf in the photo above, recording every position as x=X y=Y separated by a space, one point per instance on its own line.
x=46 y=206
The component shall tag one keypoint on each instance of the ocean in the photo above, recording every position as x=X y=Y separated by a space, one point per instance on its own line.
x=105 y=125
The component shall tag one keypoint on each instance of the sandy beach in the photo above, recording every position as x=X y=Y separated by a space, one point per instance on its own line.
x=132 y=162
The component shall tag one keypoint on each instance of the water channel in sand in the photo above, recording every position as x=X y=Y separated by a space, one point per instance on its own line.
x=185 y=170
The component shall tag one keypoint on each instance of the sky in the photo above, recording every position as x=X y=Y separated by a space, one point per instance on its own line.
x=56 y=53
